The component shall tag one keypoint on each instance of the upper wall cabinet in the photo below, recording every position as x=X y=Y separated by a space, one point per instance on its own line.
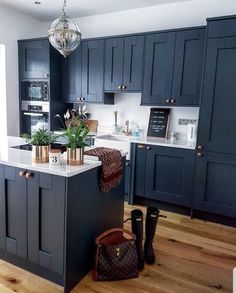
x=34 y=61
x=158 y=70
x=83 y=74
x=173 y=68
x=124 y=63
x=71 y=76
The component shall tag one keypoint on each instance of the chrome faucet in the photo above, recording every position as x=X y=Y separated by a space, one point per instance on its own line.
x=127 y=131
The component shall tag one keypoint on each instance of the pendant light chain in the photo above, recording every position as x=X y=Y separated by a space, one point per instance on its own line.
x=64 y=7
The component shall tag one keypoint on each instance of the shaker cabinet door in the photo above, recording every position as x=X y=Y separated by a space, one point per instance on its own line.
x=71 y=77
x=158 y=68
x=114 y=52
x=13 y=211
x=188 y=67
x=217 y=131
x=133 y=63
x=34 y=59
x=169 y=175
x=215 y=184
x=92 y=70
x=46 y=203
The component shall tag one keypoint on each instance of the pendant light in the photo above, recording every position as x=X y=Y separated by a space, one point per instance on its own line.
x=64 y=34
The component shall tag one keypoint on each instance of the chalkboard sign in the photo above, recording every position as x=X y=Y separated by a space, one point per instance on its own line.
x=158 y=122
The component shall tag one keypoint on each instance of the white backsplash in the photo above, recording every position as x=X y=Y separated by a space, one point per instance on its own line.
x=128 y=107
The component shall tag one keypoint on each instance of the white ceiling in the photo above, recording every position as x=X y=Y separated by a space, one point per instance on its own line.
x=51 y=9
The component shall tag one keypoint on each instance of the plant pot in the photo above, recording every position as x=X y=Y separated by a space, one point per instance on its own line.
x=75 y=157
x=40 y=153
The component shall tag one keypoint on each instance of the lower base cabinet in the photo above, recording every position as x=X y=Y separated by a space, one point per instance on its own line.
x=164 y=174
x=215 y=185
x=48 y=223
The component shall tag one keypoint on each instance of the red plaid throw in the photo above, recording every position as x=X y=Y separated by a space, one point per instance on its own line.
x=111 y=159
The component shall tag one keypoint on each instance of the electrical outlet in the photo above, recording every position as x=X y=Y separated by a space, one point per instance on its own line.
x=187 y=121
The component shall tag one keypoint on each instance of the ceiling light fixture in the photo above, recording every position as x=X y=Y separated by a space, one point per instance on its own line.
x=64 y=34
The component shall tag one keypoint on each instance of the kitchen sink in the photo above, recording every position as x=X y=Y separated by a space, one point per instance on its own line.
x=119 y=142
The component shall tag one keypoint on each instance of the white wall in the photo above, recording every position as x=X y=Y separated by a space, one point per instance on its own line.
x=15 y=26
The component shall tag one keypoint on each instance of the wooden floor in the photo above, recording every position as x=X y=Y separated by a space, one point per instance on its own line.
x=192 y=256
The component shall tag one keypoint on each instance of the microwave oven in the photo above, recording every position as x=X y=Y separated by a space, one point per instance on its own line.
x=34 y=91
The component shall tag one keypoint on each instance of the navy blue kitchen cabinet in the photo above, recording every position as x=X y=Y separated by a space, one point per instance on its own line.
x=158 y=68
x=164 y=174
x=34 y=59
x=188 y=67
x=215 y=182
x=124 y=63
x=173 y=68
x=32 y=217
x=72 y=76
x=217 y=131
x=13 y=212
x=92 y=70
x=83 y=74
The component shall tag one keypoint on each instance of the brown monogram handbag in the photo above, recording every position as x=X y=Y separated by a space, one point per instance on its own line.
x=116 y=257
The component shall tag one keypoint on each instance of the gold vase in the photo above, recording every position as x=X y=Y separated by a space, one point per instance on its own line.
x=40 y=153
x=75 y=157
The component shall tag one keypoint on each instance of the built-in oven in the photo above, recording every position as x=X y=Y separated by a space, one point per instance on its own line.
x=34 y=115
x=34 y=91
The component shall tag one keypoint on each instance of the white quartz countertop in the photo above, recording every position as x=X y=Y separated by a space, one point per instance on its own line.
x=23 y=159
x=164 y=142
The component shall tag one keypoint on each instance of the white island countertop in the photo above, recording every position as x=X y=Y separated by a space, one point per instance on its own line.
x=23 y=159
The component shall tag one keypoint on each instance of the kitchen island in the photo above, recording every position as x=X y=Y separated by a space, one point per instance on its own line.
x=50 y=218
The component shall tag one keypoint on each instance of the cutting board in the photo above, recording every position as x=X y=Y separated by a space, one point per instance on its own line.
x=92 y=124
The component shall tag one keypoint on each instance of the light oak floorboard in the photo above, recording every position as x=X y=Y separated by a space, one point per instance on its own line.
x=192 y=256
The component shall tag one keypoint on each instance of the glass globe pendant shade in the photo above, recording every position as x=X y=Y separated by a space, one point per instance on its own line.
x=64 y=35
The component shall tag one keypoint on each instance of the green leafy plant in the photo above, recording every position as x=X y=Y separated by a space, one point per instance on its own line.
x=40 y=137
x=75 y=136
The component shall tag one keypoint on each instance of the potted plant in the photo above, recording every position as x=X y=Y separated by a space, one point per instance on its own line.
x=75 y=137
x=40 y=140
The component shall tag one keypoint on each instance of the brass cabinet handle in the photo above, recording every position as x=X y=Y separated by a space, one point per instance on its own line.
x=123 y=87
x=141 y=146
x=199 y=154
x=167 y=100
x=119 y=87
x=172 y=101
x=22 y=173
x=149 y=148
x=28 y=175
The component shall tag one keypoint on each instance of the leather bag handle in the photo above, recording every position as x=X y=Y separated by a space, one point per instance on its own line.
x=113 y=230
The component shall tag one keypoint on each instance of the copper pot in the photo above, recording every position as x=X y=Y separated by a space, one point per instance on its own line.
x=40 y=153
x=75 y=157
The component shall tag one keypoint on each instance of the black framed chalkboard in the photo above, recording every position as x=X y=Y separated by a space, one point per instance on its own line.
x=158 y=122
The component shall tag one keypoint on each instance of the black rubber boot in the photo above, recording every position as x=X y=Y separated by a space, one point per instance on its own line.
x=151 y=223
x=137 y=229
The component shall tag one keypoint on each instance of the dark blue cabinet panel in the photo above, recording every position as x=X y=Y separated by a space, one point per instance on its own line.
x=188 y=67
x=216 y=184
x=217 y=131
x=46 y=211
x=34 y=59
x=114 y=64
x=71 y=76
x=169 y=175
x=13 y=211
x=133 y=63
x=164 y=174
x=158 y=69
x=92 y=70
